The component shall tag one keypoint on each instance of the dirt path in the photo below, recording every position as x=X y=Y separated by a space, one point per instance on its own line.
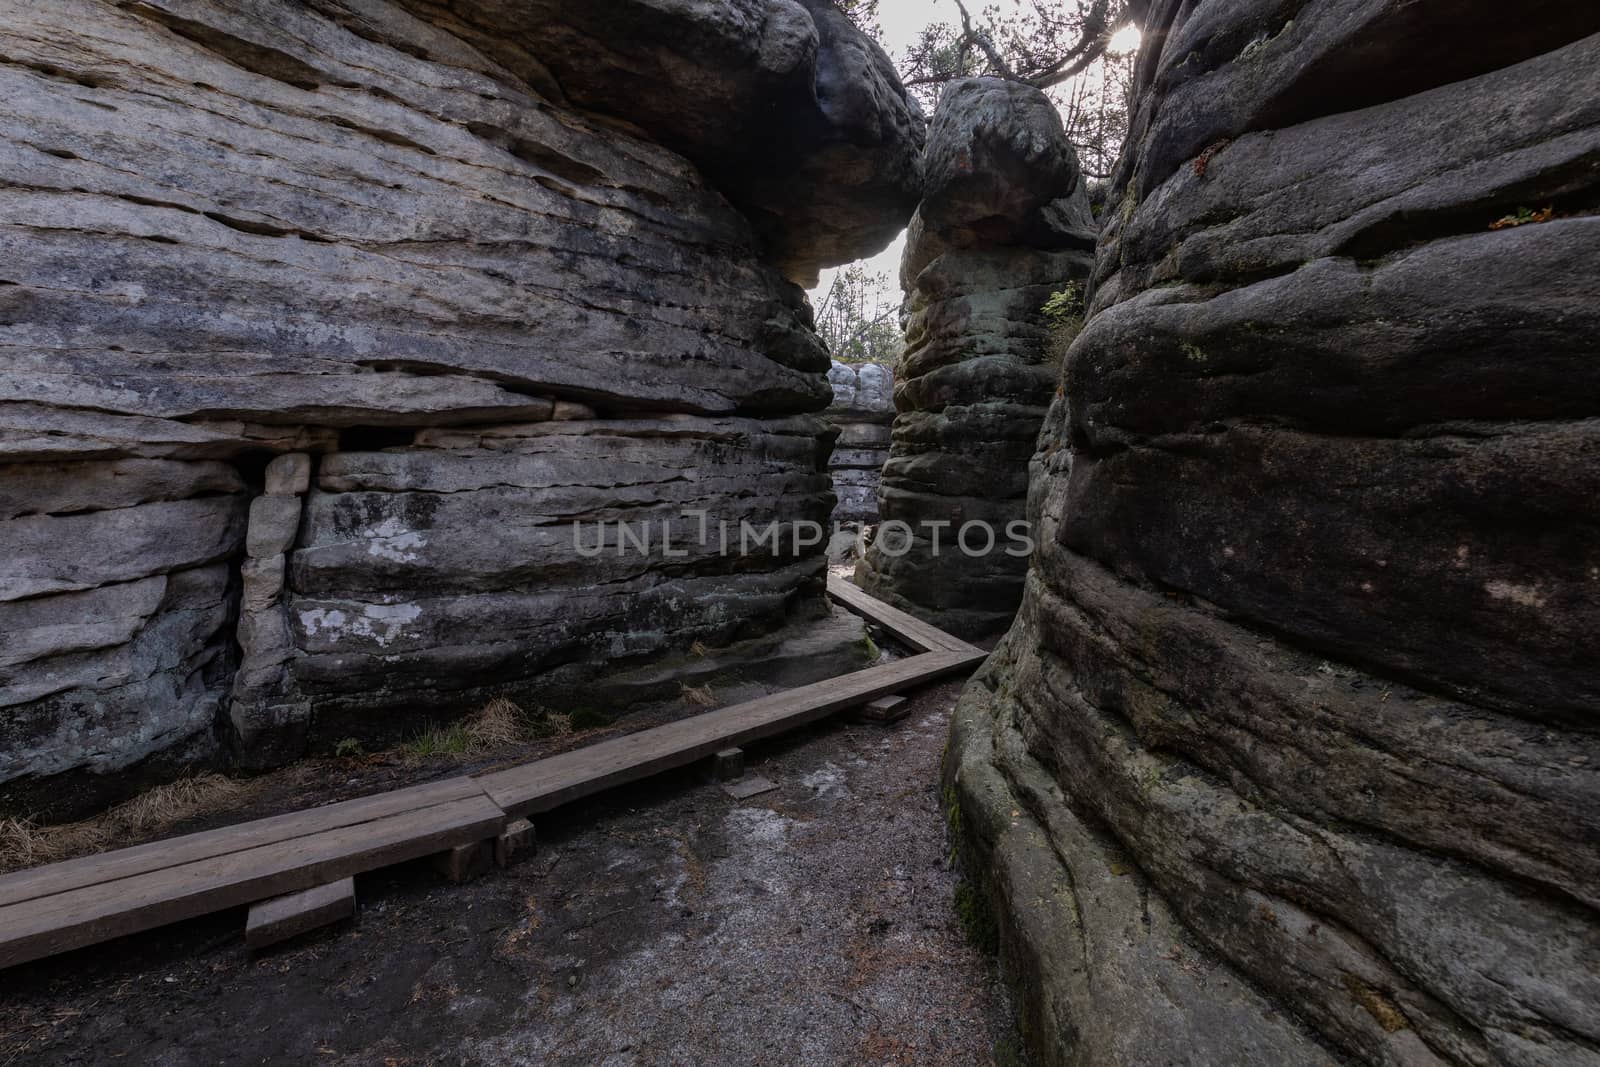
x=668 y=924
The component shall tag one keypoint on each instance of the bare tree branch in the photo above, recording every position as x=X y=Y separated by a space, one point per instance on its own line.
x=984 y=44
x=1095 y=36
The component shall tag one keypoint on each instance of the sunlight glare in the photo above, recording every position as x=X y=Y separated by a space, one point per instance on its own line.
x=1124 y=40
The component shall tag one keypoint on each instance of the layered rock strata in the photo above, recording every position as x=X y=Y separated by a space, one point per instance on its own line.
x=1004 y=224
x=862 y=410
x=320 y=325
x=1290 y=757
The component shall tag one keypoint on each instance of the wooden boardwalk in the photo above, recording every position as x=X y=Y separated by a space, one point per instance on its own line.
x=85 y=901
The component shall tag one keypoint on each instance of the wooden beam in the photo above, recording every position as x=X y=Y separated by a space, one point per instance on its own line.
x=559 y=780
x=45 y=925
x=923 y=636
x=298 y=856
x=141 y=859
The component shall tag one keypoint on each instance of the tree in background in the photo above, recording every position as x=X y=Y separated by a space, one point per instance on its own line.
x=1060 y=45
x=1095 y=108
x=858 y=319
x=864 y=13
x=1037 y=42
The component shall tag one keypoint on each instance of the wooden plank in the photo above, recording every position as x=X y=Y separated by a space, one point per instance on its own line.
x=549 y=783
x=293 y=914
x=128 y=862
x=907 y=627
x=46 y=925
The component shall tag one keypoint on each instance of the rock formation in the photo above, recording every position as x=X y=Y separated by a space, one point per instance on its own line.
x=1003 y=225
x=1290 y=757
x=862 y=409
x=320 y=326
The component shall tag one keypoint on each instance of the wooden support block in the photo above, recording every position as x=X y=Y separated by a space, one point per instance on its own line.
x=727 y=765
x=293 y=914
x=463 y=863
x=886 y=710
x=517 y=839
x=745 y=788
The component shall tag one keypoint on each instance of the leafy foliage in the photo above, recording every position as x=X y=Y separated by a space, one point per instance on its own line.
x=1063 y=306
x=1522 y=217
x=1063 y=313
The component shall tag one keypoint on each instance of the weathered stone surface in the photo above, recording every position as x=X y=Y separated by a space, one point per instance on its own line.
x=65 y=553
x=274 y=523
x=118 y=680
x=1296 y=700
x=999 y=170
x=498 y=554
x=289 y=475
x=1003 y=225
x=61 y=488
x=263 y=582
x=862 y=409
x=797 y=117
x=487 y=268
x=36 y=432
x=412 y=182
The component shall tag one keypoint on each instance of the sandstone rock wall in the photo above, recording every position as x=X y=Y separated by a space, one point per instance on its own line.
x=1291 y=756
x=1004 y=223
x=862 y=409
x=321 y=323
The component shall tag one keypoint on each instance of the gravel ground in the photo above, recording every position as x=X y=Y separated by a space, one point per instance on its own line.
x=664 y=924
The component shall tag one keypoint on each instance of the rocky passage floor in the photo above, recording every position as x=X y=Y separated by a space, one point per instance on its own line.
x=666 y=924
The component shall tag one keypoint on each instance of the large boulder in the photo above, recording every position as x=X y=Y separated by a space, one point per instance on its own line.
x=1003 y=226
x=796 y=115
x=862 y=409
x=321 y=324
x=1290 y=757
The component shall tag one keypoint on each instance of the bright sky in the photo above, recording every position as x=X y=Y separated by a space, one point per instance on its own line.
x=902 y=21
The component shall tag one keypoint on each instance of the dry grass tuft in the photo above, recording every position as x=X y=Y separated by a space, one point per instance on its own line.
x=170 y=803
x=551 y=724
x=499 y=723
x=24 y=843
x=700 y=695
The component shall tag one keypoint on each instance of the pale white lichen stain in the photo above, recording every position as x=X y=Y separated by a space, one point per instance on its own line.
x=382 y=623
x=394 y=542
x=1529 y=596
